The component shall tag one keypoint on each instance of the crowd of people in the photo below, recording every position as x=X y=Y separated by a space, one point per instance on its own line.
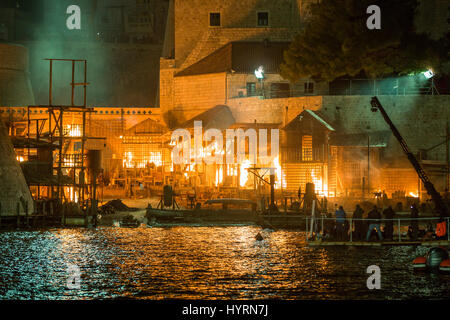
x=363 y=227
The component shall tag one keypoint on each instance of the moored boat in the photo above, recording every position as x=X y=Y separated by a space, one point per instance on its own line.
x=436 y=259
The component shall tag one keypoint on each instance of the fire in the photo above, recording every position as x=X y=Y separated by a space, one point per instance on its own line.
x=219 y=176
x=152 y=157
x=68 y=162
x=231 y=170
x=415 y=195
x=127 y=160
x=276 y=164
x=19 y=158
x=244 y=172
x=321 y=188
x=73 y=196
x=73 y=130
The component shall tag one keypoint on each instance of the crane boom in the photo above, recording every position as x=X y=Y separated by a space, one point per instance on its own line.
x=435 y=196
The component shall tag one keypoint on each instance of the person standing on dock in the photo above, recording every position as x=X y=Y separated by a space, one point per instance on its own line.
x=374 y=217
x=414 y=222
x=389 y=224
x=340 y=223
x=359 y=223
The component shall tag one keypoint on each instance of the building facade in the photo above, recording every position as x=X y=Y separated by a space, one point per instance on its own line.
x=210 y=55
x=200 y=29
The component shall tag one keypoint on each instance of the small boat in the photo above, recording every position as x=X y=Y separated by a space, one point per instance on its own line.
x=444 y=267
x=259 y=237
x=129 y=222
x=436 y=259
x=420 y=264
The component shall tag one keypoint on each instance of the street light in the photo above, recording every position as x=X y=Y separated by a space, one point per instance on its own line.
x=428 y=74
x=259 y=74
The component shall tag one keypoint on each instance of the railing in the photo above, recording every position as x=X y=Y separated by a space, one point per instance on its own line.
x=348 y=87
x=315 y=226
x=401 y=86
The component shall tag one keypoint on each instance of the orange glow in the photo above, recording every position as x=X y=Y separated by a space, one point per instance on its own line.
x=321 y=188
x=415 y=195
x=68 y=162
x=19 y=158
x=243 y=171
x=73 y=196
x=73 y=130
x=151 y=157
x=219 y=176
x=276 y=164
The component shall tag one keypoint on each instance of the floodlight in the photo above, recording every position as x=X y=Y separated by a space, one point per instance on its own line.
x=428 y=74
x=259 y=73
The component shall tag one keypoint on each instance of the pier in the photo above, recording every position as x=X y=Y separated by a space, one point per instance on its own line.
x=378 y=243
x=320 y=232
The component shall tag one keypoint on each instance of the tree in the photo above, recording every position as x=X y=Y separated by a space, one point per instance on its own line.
x=336 y=42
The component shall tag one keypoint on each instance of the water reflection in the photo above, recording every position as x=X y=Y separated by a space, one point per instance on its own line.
x=202 y=263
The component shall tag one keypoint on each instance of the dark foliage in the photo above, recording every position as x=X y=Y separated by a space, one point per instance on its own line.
x=336 y=42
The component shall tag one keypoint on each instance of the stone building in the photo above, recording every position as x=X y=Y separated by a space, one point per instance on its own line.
x=199 y=30
x=210 y=55
x=15 y=197
x=15 y=85
x=354 y=150
x=208 y=63
x=122 y=48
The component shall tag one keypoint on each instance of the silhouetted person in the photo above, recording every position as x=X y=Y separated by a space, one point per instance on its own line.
x=414 y=222
x=399 y=207
x=324 y=204
x=359 y=224
x=340 y=223
x=374 y=217
x=389 y=224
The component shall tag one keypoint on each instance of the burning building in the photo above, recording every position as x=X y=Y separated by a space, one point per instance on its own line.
x=328 y=134
x=226 y=75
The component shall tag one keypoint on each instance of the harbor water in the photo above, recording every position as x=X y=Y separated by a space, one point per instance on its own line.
x=199 y=262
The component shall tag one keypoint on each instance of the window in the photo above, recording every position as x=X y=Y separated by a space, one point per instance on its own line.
x=251 y=89
x=263 y=19
x=307 y=148
x=214 y=19
x=309 y=87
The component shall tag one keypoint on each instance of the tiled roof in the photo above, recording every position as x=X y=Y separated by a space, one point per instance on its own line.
x=219 y=117
x=240 y=57
x=296 y=122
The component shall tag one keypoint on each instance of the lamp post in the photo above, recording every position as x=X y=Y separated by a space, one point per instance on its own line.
x=259 y=74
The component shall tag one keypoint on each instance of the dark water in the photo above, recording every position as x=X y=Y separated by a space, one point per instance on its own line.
x=188 y=262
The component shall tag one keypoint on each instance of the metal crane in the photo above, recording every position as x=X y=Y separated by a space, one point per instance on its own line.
x=435 y=196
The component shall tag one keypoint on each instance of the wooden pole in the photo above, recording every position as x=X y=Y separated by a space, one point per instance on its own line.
x=312 y=218
x=272 y=187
